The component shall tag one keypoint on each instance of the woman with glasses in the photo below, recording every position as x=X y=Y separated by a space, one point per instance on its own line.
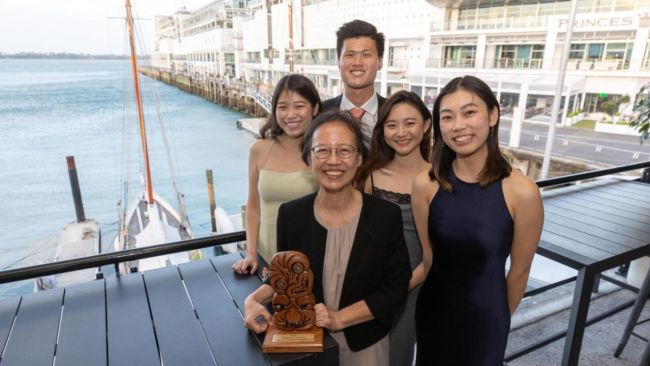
x=276 y=173
x=354 y=242
x=401 y=144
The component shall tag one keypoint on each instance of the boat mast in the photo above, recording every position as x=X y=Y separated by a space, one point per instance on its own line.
x=138 y=97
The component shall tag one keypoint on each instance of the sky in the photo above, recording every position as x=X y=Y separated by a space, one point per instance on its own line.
x=78 y=26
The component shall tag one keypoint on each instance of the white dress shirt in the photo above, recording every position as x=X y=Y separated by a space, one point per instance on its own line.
x=369 y=119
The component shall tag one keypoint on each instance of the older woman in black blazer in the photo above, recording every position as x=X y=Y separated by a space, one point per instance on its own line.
x=354 y=242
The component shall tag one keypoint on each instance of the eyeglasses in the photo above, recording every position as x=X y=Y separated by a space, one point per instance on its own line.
x=342 y=151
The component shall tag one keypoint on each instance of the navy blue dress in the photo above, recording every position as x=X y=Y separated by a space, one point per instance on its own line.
x=462 y=313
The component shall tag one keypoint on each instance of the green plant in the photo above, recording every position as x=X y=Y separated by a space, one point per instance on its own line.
x=609 y=106
x=642 y=105
x=624 y=99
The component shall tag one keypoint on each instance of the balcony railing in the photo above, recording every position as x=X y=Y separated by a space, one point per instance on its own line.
x=515 y=63
x=116 y=258
x=533 y=64
x=598 y=65
x=312 y=61
x=399 y=63
x=490 y=23
x=449 y=63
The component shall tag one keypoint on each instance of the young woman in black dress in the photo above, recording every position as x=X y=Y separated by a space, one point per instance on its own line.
x=400 y=149
x=475 y=212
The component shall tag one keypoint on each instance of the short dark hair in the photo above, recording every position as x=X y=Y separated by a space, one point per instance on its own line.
x=358 y=28
x=296 y=83
x=380 y=153
x=333 y=117
x=496 y=165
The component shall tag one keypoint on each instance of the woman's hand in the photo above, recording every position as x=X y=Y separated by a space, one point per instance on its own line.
x=327 y=318
x=241 y=266
x=256 y=317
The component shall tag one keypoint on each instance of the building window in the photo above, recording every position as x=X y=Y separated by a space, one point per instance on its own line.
x=519 y=56
x=577 y=51
x=460 y=56
x=595 y=51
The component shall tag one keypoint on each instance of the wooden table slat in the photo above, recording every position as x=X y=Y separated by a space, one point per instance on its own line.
x=626 y=203
x=622 y=191
x=589 y=209
x=33 y=338
x=635 y=187
x=585 y=238
x=607 y=203
x=553 y=212
x=82 y=335
x=574 y=246
x=569 y=190
x=181 y=340
x=8 y=310
x=130 y=333
x=563 y=255
x=608 y=233
x=239 y=286
x=231 y=343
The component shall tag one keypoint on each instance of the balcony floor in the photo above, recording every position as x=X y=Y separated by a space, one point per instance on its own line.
x=600 y=339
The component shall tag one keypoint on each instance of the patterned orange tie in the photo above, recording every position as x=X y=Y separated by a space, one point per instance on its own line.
x=357 y=113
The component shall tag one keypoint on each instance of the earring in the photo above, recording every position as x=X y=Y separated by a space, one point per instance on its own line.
x=491 y=130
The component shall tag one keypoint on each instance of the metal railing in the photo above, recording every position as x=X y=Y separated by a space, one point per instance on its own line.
x=116 y=258
x=518 y=63
x=262 y=99
x=593 y=174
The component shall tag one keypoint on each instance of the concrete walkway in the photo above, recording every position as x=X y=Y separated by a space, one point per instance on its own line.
x=600 y=339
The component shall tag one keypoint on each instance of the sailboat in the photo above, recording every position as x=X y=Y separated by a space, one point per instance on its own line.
x=149 y=219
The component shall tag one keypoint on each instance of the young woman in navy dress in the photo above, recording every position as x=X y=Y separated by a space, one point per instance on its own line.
x=474 y=212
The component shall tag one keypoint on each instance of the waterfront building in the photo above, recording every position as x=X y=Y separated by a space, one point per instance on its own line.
x=199 y=42
x=515 y=46
x=310 y=28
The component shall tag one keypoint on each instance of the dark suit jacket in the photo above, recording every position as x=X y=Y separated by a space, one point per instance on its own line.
x=335 y=103
x=378 y=269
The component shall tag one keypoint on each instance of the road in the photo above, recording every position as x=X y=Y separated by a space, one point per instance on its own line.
x=580 y=144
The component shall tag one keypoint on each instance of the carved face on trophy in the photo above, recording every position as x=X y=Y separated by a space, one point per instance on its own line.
x=292 y=281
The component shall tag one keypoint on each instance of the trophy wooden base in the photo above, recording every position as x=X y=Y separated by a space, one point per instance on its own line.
x=293 y=341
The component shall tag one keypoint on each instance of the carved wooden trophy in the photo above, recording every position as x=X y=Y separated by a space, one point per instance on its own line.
x=293 y=326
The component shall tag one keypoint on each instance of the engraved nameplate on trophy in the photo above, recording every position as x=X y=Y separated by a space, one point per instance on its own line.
x=293 y=327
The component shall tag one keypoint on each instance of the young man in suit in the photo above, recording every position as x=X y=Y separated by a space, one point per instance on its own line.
x=360 y=49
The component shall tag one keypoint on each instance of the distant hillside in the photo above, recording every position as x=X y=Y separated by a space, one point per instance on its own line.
x=61 y=55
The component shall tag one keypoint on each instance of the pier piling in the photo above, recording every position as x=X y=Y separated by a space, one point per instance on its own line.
x=76 y=192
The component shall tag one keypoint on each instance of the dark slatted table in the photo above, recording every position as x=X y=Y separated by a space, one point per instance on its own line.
x=185 y=315
x=593 y=227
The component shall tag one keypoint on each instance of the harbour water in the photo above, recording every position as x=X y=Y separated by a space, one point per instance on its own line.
x=53 y=108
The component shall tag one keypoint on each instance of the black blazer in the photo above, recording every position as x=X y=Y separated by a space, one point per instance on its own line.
x=378 y=269
x=335 y=103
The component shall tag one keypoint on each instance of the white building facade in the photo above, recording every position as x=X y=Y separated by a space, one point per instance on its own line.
x=514 y=45
x=200 y=42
